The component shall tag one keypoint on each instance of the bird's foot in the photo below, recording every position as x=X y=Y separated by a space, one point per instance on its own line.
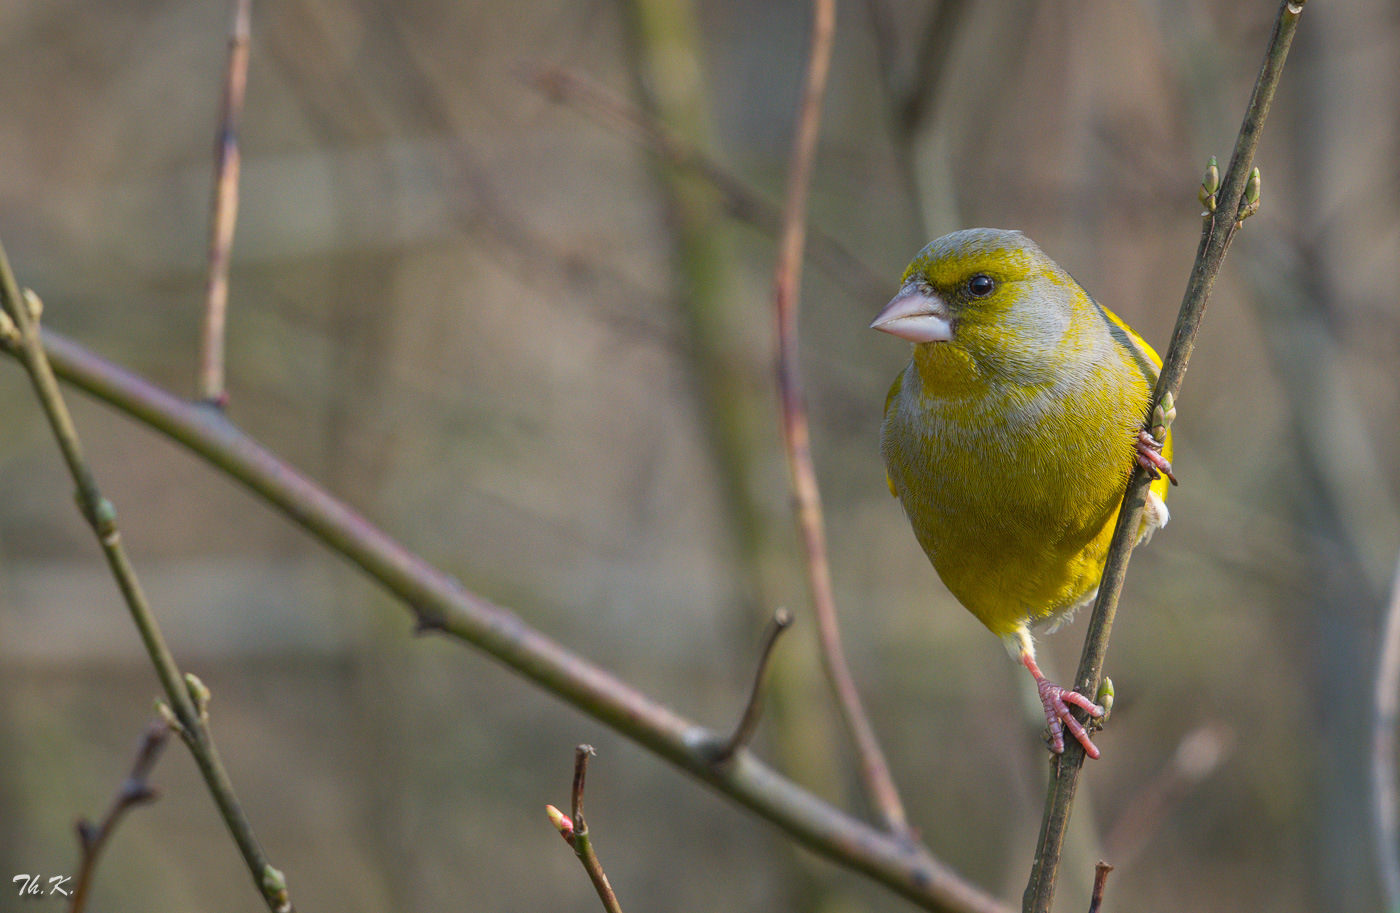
x=1149 y=457
x=1057 y=701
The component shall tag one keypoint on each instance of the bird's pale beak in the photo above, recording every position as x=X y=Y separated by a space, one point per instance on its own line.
x=917 y=316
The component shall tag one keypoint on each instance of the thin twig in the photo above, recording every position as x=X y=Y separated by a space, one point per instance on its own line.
x=739 y=199
x=445 y=605
x=1219 y=228
x=223 y=212
x=1383 y=800
x=101 y=515
x=748 y=723
x=574 y=830
x=1100 y=882
x=796 y=429
x=135 y=790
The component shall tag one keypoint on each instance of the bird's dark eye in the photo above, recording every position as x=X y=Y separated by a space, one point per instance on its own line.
x=980 y=285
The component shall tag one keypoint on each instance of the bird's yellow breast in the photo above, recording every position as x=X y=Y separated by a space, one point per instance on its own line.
x=1013 y=482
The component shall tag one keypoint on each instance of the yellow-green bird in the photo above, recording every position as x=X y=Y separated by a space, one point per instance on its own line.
x=1010 y=436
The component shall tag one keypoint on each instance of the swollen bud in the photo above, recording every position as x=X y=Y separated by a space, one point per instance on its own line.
x=1209 y=185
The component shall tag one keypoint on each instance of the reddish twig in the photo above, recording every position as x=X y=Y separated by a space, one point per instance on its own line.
x=796 y=428
x=135 y=790
x=223 y=214
x=753 y=710
x=574 y=830
x=1100 y=882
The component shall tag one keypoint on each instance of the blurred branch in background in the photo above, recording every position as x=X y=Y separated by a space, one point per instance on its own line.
x=1237 y=198
x=1383 y=801
x=797 y=439
x=1198 y=755
x=440 y=603
x=223 y=213
x=20 y=336
x=135 y=790
x=740 y=200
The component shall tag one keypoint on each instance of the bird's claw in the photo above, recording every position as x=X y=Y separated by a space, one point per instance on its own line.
x=1149 y=457
x=1056 y=701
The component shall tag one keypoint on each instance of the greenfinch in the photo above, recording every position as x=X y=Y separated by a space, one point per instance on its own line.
x=1010 y=436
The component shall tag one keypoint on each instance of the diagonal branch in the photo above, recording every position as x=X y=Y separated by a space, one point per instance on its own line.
x=441 y=603
x=1219 y=228
x=186 y=694
x=739 y=199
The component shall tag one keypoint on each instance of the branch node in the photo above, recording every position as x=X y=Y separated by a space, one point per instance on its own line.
x=427 y=620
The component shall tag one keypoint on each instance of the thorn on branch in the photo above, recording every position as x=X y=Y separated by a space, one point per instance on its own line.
x=753 y=711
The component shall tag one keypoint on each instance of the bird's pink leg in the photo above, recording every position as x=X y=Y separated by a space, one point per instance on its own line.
x=1057 y=713
x=1149 y=457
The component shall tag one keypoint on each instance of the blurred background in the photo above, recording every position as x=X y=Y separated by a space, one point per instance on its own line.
x=496 y=325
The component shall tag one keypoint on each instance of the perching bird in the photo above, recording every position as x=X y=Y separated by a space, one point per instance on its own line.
x=1010 y=436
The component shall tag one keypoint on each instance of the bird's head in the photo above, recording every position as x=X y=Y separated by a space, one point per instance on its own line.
x=986 y=291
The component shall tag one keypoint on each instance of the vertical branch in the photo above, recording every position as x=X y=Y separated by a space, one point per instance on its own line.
x=223 y=215
x=796 y=429
x=1219 y=228
x=574 y=829
x=1383 y=801
x=187 y=695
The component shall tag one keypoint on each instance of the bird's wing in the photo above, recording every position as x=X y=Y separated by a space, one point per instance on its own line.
x=889 y=401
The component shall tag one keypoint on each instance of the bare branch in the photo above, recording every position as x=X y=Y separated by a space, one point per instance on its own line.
x=1225 y=211
x=1100 y=882
x=748 y=723
x=739 y=199
x=574 y=830
x=134 y=790
x=187 y=712
x=787 y=274
x=904 y=868
x=223 y=213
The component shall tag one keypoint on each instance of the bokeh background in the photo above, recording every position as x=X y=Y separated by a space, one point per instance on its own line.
x=500 y=329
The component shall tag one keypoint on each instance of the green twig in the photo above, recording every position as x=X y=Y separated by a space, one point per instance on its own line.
x=22 y=337
x=1232 y=204
x=807 y=505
